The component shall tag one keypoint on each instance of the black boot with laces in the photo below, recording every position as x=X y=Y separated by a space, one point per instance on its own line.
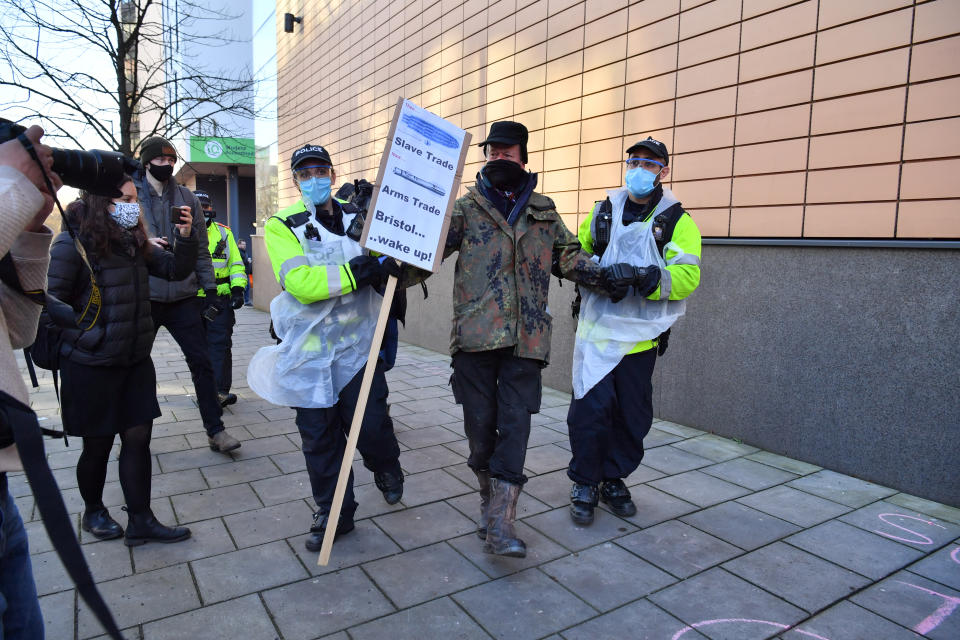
x=615 y=494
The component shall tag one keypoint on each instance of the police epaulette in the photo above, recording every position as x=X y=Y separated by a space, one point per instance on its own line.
x=297 y=219
x=349 y=207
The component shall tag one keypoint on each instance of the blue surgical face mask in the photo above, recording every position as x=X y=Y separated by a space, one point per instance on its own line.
x=315 y=190
x=640 y=182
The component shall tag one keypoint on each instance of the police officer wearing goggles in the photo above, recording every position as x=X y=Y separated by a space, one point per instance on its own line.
x=231 y=277
x=329 y=287
x=644 y=226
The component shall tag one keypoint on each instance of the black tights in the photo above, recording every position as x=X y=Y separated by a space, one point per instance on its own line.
x=135 y=468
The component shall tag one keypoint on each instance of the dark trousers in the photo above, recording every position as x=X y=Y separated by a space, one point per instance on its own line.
x=220 y=343
x=324 y=434
x=607 y=426
x=499 y=392
x=182 y=319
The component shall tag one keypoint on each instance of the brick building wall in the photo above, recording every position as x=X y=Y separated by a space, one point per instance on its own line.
x=830 y=118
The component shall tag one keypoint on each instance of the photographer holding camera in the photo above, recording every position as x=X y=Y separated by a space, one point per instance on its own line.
x=175 y=304
x=26 y=203
x=109 y=383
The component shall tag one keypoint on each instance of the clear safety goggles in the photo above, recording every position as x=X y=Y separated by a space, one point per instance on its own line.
x=313 y=171
x=645 y=163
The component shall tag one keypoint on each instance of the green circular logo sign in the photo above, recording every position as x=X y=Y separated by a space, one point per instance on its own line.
x=213 y=149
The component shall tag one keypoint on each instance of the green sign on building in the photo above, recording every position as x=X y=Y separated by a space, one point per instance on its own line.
x=224 y=150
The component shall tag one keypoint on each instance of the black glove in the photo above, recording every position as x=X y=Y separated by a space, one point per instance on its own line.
x=391 y=266
x=211 y=294
x=367 y=270
x=236 y=297
x=616 y=280
x=647 y=280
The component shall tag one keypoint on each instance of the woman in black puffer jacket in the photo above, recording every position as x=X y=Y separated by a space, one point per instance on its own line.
x=109 y=383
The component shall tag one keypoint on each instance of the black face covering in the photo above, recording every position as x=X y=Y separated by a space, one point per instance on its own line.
x=505 y=175
x=161 y=172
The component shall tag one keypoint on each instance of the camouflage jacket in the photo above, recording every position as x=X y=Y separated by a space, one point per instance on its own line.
x=502 y=275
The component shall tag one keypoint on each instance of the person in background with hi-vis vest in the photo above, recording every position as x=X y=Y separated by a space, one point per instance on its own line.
x=325 y=319
x=230 y=275
x=619 y=338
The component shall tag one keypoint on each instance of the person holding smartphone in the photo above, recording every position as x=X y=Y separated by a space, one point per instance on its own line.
x=175 y=304
x=109 y=383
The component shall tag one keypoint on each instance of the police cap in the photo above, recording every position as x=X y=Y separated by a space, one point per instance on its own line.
x=310 y=152
x=654 y=146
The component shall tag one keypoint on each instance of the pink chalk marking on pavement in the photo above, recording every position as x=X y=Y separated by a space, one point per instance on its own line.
x=934 y=620
x=955 y=555
x=925 y=539
x=778 y=625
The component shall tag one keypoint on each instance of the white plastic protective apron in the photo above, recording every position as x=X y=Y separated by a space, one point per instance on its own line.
x=324 y=343
x=607 y=331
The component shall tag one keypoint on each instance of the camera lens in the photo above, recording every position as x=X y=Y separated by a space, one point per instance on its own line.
x=96 y=172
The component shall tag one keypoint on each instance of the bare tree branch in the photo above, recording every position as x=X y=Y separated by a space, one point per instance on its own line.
x=104 y=67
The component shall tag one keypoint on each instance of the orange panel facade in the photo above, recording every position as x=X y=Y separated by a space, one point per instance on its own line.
x=785 y=119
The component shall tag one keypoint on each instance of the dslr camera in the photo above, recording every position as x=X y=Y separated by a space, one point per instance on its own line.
x=96 y=172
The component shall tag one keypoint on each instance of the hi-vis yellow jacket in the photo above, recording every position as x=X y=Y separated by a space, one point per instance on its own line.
x=304 y=282
x=683 y=277
x=228 y=268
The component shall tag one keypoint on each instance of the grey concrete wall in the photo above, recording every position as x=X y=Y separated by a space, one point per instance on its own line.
x=845 y=358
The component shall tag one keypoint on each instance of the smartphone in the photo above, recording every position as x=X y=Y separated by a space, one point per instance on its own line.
x=210 y=313
x=175 y=215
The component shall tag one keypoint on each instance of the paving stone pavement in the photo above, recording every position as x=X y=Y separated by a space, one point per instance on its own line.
x=728 y=542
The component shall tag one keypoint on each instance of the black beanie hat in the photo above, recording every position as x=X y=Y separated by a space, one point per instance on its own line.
x=156 y=146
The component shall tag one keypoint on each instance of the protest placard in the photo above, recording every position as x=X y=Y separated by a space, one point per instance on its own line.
x=416 y=186
x=407 y=219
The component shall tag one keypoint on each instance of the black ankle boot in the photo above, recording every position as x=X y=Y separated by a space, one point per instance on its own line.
x=319 y=528
x=143 y=527
x=615 y=494
x=390 y=484
x=583 y=500
x=96 y=519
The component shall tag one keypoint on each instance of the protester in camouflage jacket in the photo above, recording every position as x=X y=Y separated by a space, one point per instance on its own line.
x=502 y=274
x=509 y=238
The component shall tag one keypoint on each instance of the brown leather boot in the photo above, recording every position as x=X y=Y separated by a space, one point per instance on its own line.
x=502 y=537
x=483 y=478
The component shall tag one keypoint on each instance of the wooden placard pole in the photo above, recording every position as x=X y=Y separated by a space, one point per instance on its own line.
x=334 y=518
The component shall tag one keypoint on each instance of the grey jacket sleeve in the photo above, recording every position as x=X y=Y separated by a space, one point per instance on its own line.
x=204 y=261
